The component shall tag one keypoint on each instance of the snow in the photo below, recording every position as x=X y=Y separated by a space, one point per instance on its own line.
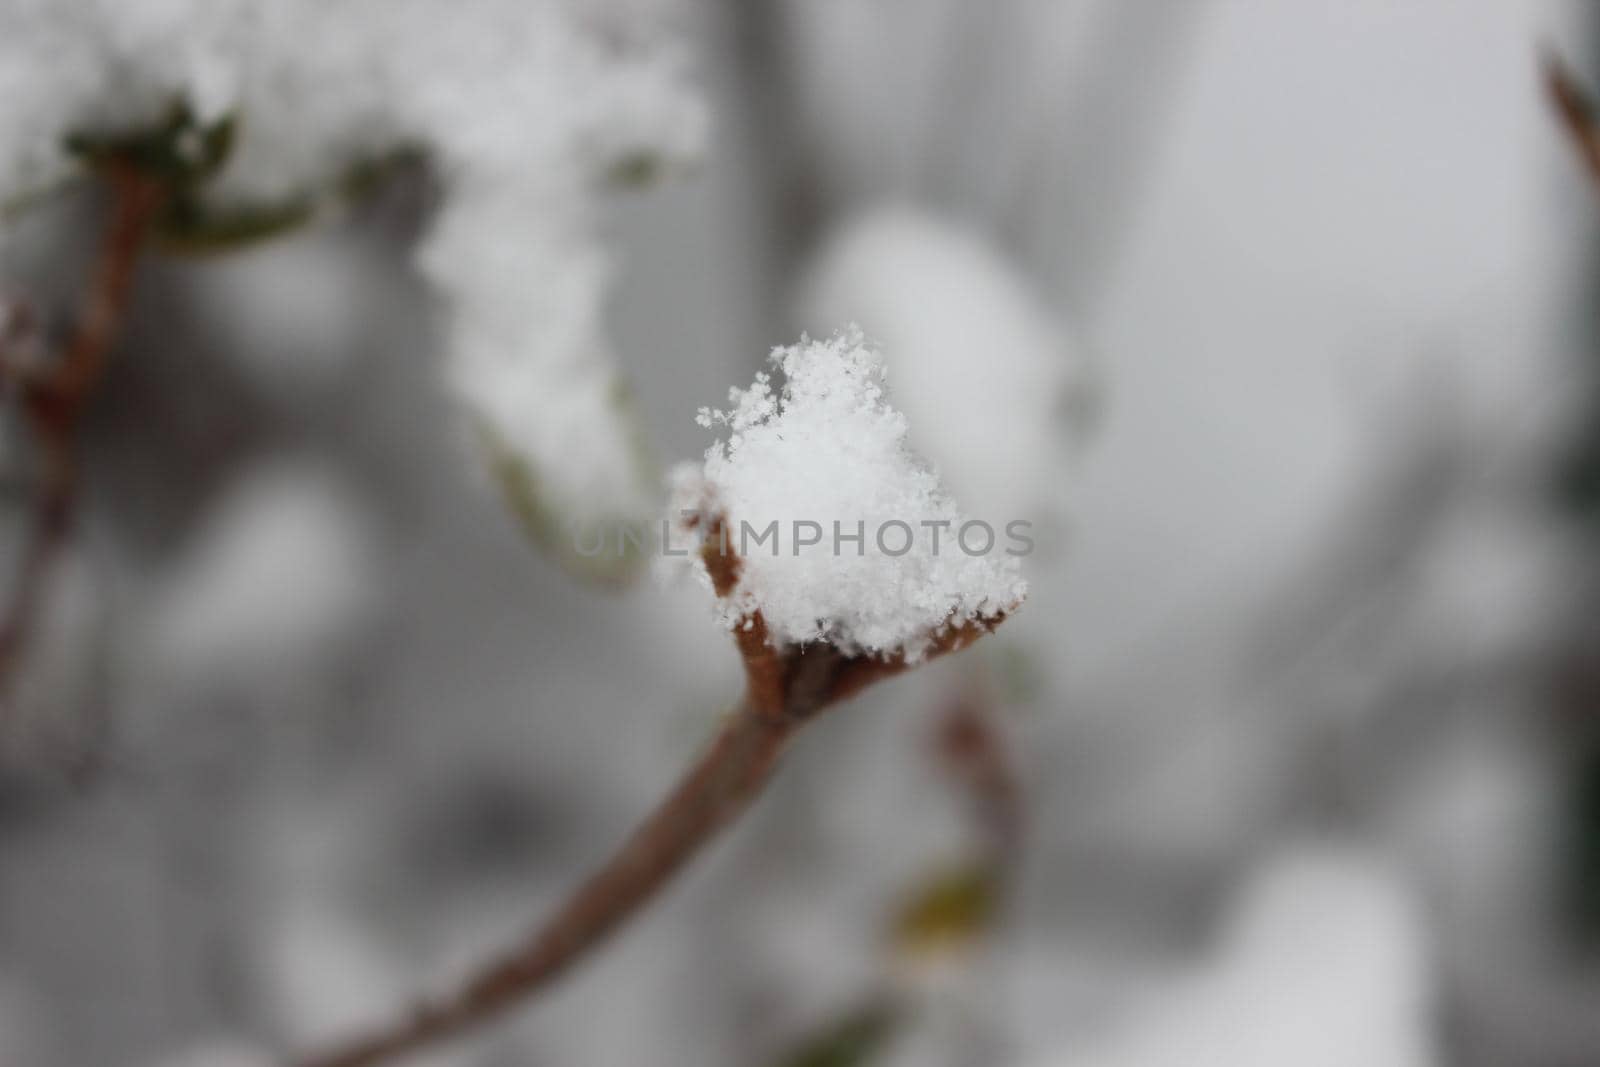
x=829 y=449
x=1323 y=963
x=525 y=108
x=282 y=570
x=975 y=351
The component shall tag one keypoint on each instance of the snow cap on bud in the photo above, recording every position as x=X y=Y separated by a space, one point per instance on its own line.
x=843 y=534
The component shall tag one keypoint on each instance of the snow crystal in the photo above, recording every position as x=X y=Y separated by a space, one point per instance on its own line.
x=826 y=458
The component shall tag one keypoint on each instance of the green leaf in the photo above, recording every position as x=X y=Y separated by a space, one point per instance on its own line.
x=952 y=909
x=189 y=227
x=177 y=148
x=192 y=226
x=852 y=1041
x=637 y=170
x=186 y=154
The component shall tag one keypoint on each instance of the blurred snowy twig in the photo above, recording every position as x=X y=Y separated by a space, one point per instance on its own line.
x=54 y=398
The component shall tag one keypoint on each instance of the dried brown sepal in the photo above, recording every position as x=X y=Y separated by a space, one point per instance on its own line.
x=773 y=676
x=862 y=671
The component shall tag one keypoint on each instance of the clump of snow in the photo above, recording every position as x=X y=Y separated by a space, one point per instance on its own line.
x=526 y=107
x=989 y=375
x=315 y=85
x=528 y=352
x=1324 y=963
x=827 y=458
x=282 y=571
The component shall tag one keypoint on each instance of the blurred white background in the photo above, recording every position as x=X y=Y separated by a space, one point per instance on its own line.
x=1296 y=298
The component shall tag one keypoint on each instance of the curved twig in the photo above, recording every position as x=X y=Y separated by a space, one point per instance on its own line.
x=54 y=399
x=784 y=691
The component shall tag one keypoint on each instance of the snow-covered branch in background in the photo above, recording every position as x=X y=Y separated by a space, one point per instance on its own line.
x=256 y=115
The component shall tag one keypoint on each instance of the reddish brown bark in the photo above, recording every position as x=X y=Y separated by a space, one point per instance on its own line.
x=54 y=399
x=715 y=791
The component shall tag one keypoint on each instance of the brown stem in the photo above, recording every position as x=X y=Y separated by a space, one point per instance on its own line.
x=1576 y=110
x=54 y=400
x=784 y=691
x=716 y=790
